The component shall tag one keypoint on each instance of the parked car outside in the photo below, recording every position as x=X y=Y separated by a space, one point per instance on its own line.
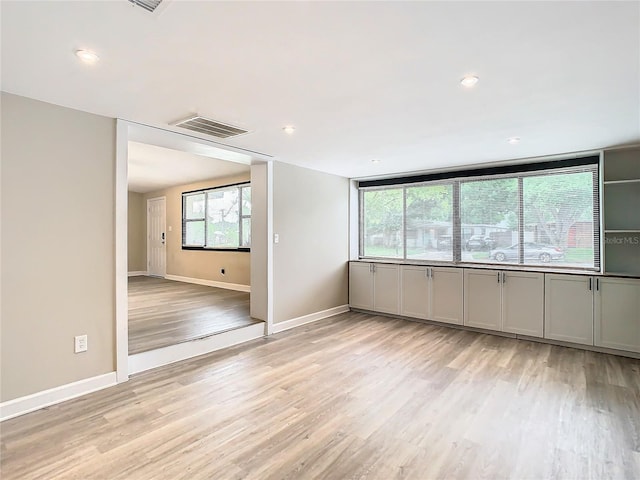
x=532 y=251
x=480 y=242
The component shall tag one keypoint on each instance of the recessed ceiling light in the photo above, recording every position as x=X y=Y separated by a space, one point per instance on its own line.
x=87 y=56
x=289 y=129
x=469 y=81
x=513 y=140
x=375 y=160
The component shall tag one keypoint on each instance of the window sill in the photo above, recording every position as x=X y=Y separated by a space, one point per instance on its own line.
x=216 y=249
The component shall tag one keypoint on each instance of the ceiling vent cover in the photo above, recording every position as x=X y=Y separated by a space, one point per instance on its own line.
x=148 y=5
x=210 y=127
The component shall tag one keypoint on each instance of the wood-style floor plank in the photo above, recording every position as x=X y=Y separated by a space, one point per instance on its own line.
x=163 y=312
x=353 y=396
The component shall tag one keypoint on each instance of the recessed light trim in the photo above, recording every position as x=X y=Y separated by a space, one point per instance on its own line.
x=289 y=129
x=469 y=81
x=513 y=140
x=87 y=56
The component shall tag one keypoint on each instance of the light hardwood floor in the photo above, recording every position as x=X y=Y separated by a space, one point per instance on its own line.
x=353 y=396
x=163 y=312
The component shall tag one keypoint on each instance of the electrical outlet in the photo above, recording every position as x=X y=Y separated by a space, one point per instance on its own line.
x=81 y=344
x=222 y=271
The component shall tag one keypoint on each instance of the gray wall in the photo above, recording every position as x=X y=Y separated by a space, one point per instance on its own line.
x=258 y=297
x=57 y=245
x=311 y=216
x=136 y=233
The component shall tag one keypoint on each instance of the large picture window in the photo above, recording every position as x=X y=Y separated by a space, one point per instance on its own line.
x=218 y=218
x=535 y=215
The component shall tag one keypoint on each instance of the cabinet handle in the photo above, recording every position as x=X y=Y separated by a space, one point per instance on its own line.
x=431 y=272
x=374 y=268
x=498 y=277
x=426 y=272
x=597 y=284
x=504 y=277
x=590 y=283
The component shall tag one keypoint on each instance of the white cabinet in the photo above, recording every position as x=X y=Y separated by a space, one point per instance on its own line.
x=414 y=287
x=447 y=295
x=508 y=301
x=569 y=308
x=482 y=299
x=523 y=303
x=361 y=285
x=617 y=313
x=434 y=293
x=374 y=286
x=386 y=285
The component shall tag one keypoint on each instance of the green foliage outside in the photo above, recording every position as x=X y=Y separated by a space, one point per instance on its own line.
x=552 y=204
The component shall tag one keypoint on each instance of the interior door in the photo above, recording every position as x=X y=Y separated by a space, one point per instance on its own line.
x=156 y=237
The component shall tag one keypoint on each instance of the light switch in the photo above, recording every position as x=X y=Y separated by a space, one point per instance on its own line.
x=276 y=238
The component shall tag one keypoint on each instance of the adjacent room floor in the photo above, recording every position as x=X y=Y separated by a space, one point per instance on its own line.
x=352 y=396
x=163 y=312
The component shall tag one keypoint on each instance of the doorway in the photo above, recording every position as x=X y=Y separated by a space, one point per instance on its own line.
x=261 y=250
x=259 y=172
x=156 y=237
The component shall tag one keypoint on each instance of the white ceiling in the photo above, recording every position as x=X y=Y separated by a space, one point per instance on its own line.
x=360 y=80
x=152 y=168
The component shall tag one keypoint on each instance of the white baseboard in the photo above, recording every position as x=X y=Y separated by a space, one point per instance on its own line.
x=312 y=317
x=36 y=401
x=210 y=283
x=141 y=362
x=137 y=274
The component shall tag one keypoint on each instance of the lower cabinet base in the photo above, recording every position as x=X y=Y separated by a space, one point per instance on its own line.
x=590 y=348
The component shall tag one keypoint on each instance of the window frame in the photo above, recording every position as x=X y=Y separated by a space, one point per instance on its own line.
x=456 y=178
x=240 y=186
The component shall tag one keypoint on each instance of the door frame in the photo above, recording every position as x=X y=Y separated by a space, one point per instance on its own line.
x=132 y=131
x=164 y=228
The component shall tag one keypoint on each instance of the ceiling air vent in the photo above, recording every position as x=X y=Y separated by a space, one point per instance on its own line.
x=148 y=5
x=210 y=127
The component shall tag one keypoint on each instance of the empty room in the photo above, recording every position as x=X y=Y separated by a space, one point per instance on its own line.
x=319 y=240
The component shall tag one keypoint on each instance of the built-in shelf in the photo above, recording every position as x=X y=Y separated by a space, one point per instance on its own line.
x=621 y=212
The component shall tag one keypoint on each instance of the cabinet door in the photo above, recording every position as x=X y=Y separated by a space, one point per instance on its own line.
x=361 y=285
x=414 y=295
x=447 y=295
x=617 y=313
x=568 y=308
x=386 y=286
x=482 y=291
x=523 y=303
